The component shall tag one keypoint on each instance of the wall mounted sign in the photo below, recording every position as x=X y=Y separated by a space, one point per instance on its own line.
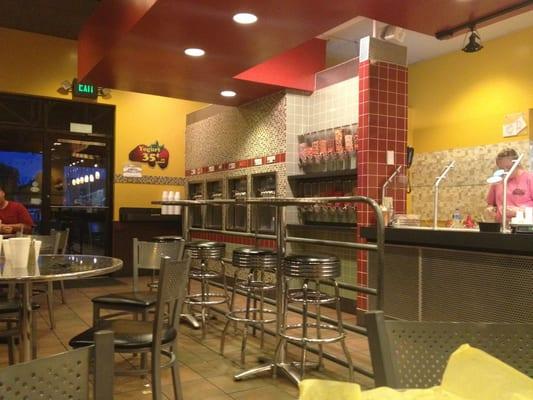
x=154 y=154
x=132 y=171
x=81 y=128
x=251 y=162
x=86 y=90
x=513 y=124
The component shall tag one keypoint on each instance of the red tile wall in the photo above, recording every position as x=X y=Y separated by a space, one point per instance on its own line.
x=382 y=127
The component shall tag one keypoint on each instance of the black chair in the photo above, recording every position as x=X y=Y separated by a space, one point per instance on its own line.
x=55 y=243
x=145 y=255
x=63 y=376
x=412 y=354
x=158 y=337
x=11 y=316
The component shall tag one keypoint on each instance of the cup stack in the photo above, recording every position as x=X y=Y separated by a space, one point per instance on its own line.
x=17 y=251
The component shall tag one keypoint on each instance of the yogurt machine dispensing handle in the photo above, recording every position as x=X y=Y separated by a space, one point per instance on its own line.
x=436 y=186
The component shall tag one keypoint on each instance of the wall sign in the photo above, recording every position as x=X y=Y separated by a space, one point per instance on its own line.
x=87 y=90
x=154 y=154
x=132 y=171
x=513 y=124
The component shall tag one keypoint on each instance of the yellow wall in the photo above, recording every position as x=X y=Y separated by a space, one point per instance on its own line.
x=460 y=100
x=37 y=64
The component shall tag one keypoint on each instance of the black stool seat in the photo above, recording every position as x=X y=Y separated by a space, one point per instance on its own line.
x=312 y=266
x=12 y=306
x=133 y=299
x=168 y=238
x=254 y=257
x=204 y=244
x=205 y=249
x=128 y=335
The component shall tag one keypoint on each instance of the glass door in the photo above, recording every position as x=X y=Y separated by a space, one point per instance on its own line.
x=21 y=169
x=80 y=191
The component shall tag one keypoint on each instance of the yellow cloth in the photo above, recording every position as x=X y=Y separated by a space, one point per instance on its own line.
x=318 y=389
x=385 y=393
x=471 y=374
x=476 y=375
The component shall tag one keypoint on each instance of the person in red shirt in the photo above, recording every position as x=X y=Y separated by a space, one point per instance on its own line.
x=13 y=216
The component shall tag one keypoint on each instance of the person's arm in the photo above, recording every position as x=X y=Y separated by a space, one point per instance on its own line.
x=491 y=196
x=530 y=183
x=14 y=228
x=25 y=222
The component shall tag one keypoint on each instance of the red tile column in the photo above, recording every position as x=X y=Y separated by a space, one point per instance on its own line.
x=382 y=128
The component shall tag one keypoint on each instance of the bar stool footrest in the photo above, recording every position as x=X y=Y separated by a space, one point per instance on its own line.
x=196 y=299
x=311 y=339
x=199 y=274
x=312 y=297
x=234 y=316
x=255 y=285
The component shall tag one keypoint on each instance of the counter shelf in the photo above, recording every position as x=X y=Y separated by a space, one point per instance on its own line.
x=281 y=239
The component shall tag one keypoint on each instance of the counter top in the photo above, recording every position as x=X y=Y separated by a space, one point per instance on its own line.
x=508 y=243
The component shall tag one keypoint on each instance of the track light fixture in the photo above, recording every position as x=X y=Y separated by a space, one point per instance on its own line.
x=448 y=33
x=474 y=41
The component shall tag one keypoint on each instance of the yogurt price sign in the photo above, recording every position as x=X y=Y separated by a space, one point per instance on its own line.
x=154 y=154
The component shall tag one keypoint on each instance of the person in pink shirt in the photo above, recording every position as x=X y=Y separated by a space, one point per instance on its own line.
x=519 y=187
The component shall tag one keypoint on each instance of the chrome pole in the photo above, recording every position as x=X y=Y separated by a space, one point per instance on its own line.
x=515 y=165
x=436 y=195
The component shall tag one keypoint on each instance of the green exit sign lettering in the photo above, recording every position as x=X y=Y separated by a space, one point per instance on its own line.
x=86 y=90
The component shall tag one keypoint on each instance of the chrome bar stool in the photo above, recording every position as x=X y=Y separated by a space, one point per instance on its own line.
x=201 y=252
x=311 y=269
x=256 y=262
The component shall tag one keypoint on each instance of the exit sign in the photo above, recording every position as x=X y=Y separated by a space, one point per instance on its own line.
x=86 y=90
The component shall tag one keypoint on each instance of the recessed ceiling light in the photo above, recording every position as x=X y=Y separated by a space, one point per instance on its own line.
x=245 y=18
x=194 y=52
x=228 y=93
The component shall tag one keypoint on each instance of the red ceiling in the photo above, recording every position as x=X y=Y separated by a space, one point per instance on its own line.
x=137 y=45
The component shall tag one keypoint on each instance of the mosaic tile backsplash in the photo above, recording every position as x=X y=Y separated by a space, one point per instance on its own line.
x=465 y=186
x=253 y=130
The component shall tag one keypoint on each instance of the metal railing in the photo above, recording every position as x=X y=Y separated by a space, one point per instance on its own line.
x=282 y=239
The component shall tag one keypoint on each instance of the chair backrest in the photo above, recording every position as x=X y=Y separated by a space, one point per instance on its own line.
x=50 y=243
x=62 y=244
x=63 y=376
x=412 y=354
x=173 y=278
x=148 y=255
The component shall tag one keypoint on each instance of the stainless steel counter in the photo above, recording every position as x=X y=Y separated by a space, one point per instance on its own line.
x=456 y=276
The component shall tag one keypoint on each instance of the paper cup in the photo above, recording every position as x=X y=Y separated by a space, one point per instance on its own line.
x=20 y=251
x=7 y=253
x=37 y=244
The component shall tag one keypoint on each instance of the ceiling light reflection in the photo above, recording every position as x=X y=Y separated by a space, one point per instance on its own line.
x=245 y=18
x=228 y=93
x=194 y=52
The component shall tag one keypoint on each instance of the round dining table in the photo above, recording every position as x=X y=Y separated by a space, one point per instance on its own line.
x=51 y=268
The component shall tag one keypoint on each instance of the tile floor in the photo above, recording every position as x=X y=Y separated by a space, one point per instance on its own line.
x=204 y=372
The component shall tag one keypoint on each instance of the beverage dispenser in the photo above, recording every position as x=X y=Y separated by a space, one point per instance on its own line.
x=196 y=192
x=237 y=214
x=213 y=212
x=264 y=216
